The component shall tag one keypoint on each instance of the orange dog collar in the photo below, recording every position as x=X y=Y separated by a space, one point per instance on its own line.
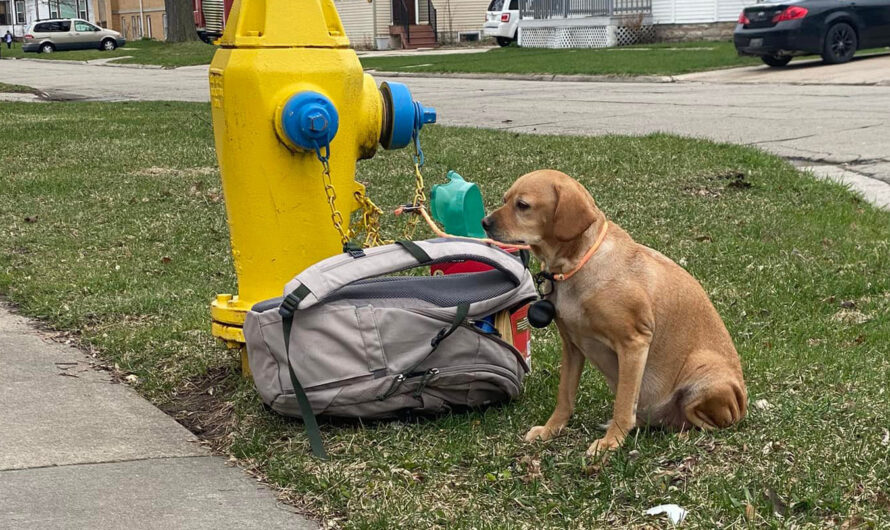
x=596 y=245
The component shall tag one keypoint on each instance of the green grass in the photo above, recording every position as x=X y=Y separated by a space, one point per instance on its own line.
x=16 y=89
x=139 y=52
x=127 y=246
x=651 y=59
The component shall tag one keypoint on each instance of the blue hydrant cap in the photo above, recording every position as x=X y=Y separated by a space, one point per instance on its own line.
x=404 y=115
x=310 y=120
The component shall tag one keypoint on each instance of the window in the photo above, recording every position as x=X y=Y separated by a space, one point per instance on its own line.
x=5 y=15
x=496 y=5
x=20 y=12
x=514 y=5
x=149 y=27
x=134 y=26
x=46 y=27
x=83 y=13
x=83 y=26
x=164 y=21
x=124 y=27
x=141 y=34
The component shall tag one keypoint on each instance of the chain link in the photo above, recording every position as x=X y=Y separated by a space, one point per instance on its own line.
x=331 y=193
x=369 y=220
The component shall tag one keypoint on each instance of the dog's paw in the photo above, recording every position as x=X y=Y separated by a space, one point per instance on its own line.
x=539 y=432
x=604 y=445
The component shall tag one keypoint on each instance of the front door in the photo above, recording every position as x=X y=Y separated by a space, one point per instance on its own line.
x=404 y=12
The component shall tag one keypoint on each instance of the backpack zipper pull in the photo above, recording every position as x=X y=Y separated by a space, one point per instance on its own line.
x=432 y=372
x=396 y=383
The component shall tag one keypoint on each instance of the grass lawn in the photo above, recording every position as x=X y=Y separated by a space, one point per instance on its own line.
x=140 y=52
x=650 y=59
x=126 y=247
x=16 y=89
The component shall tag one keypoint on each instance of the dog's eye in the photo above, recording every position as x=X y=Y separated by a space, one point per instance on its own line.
x=522 y=205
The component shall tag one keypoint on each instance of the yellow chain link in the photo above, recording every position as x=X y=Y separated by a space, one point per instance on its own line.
x=369 y=220
x=331 y=193
x=419 y=200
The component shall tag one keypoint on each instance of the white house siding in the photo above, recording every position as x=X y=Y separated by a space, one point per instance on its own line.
x=697 y=11
x=358 y=21
x=465 y=15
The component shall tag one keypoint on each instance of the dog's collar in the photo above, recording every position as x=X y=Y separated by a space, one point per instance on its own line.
x=590 y=252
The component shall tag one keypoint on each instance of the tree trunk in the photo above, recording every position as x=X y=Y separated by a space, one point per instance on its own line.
x=180 y=20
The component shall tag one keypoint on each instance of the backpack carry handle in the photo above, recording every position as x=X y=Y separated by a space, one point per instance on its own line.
x=329 y=275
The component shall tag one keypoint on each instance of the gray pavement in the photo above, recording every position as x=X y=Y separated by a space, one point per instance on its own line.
x=872 y=69
x=78 y=450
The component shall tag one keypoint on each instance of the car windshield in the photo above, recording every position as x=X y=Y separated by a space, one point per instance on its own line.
x=496 y=5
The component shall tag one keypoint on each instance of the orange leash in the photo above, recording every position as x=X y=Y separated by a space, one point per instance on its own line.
x=441 y=233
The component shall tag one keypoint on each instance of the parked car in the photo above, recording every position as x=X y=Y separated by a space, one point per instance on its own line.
x=502 y=21
x=831 y=28
x=48 y=36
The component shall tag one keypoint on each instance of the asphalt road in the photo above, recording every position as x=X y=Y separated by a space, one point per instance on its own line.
x=812 y=124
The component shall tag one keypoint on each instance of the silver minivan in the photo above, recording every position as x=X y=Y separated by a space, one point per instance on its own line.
x=47 y=36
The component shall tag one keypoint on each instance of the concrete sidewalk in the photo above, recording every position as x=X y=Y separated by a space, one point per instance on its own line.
x=78 y=450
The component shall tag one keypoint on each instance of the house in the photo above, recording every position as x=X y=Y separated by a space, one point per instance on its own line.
x=135 y=19
x=603 y=23
x=17 y=15
x=385 y=24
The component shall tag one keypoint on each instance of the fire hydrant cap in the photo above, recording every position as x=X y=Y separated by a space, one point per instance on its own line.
x=309 y=120
x=404 y=115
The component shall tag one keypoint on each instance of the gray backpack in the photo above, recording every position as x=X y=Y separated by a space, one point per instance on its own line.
x=350 y=339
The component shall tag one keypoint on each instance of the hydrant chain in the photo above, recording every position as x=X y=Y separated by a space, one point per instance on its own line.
x=330 y=192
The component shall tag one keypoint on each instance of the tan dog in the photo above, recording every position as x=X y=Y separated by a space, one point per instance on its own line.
x=633 y=313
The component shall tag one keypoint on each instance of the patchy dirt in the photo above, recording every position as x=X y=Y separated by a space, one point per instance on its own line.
x=200 y=407
x=716 y=185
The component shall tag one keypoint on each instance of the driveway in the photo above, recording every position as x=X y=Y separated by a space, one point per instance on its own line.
x=865 y=70
x=813 y=125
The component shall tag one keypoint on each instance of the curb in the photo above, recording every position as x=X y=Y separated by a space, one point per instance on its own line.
x=533 y=77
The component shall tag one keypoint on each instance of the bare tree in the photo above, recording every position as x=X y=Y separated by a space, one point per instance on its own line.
x=180 y=20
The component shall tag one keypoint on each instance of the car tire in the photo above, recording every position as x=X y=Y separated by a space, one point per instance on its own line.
x=503 y=42
x=776 y=61
x=840 y=43
x=46 y=47
x=108 y=45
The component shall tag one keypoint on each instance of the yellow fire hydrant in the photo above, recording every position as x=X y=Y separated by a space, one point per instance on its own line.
x=286 y=91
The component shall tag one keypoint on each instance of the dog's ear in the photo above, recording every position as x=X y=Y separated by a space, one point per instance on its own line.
x=574 y=211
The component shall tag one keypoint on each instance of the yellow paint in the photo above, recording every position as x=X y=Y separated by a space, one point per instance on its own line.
x=279 y=220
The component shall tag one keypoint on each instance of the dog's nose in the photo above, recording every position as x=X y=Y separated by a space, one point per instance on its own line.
x=487 y=223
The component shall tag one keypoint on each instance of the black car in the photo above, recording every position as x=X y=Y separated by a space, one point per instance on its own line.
x=834 y=29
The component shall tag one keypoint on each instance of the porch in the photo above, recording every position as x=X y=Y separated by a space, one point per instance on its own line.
x=414 y=23
x=585 y=23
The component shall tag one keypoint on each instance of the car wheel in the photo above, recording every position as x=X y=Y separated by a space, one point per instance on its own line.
x=776 y=60
x=840 y=44
x=47 y=48
x=504 y=41
x=109 y=45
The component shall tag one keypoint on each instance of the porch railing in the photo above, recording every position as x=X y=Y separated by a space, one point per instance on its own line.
x=544 y=9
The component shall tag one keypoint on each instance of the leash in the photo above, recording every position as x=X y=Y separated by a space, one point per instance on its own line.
x=410 y=208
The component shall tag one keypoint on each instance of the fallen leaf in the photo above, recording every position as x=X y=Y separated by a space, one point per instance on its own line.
x=166 y=259
x=848 y=304
x=31 y=219
x=886 y=439
x=132 y=378
x=749 y=512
